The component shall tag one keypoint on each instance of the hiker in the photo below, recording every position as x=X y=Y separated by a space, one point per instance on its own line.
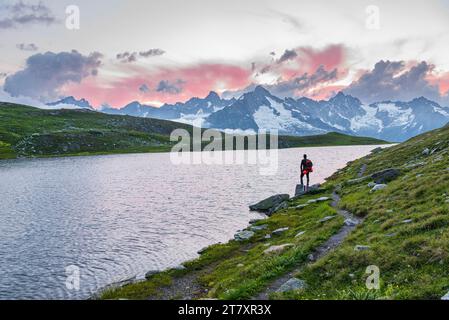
x=306 y=169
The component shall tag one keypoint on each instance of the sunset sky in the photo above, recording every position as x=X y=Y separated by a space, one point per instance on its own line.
x=169 y=51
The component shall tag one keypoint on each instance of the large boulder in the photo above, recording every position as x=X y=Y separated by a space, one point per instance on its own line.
x=281 y=206
x=293 y=285
x=270 y=203
x=385 y=176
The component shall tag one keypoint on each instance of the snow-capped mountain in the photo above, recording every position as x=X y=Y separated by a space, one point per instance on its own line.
x=134 y=109
x=194 y=109
x=260 y=110
x=393 y=121
x=71 y=101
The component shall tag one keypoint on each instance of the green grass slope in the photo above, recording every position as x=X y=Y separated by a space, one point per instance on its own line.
x=405 y=227
x=31 y=132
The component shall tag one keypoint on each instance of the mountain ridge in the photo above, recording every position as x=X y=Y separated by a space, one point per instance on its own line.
x=261 y=110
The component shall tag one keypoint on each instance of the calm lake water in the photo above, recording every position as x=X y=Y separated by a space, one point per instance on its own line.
x=120 y=216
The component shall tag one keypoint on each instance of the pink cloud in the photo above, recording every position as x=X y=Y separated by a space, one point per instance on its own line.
x=192 y=81
x=440 y=80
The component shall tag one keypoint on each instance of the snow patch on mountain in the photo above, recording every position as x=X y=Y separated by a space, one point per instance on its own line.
x=277 y=117
x=398 y=116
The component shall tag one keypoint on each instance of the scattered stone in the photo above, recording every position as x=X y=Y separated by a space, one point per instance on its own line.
x=407 y=221
x=202 y=251
x=279 y=231
x=267 y=244
x=325 y=219
x=278 y=249
x=358 y=180
x=240 y=265
x=268 y=236
x=259 y=228
x=322 y=199
x=390 y=211
x=415 y=165
x=351 y=275
x=179 y=267
x=361 y=248
x=426 y=152
x=301 y=206
x=385 y=176
x=244 y=235
x=378 y=187
x=151 y=273
x=270 y=203
x=351 y=223
x=293 y=285
x=391 y=235
x=446 y=297
x=371 y=184
x=310 y=257
x=300 y=234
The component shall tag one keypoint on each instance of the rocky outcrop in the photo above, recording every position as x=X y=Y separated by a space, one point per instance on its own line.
x=385 y=176
x=271 y=204
x=380 y=177
x=243 y=235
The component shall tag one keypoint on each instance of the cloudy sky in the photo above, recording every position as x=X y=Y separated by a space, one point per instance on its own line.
x=167 y=51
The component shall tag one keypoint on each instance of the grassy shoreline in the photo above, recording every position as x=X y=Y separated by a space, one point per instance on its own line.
x=405 y=233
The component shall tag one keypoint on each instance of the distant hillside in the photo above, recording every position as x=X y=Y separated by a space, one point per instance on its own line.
x=31 y=132
x=260 y=110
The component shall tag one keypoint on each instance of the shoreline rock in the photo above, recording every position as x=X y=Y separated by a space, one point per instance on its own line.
x=271 y=204
x=244 y=235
